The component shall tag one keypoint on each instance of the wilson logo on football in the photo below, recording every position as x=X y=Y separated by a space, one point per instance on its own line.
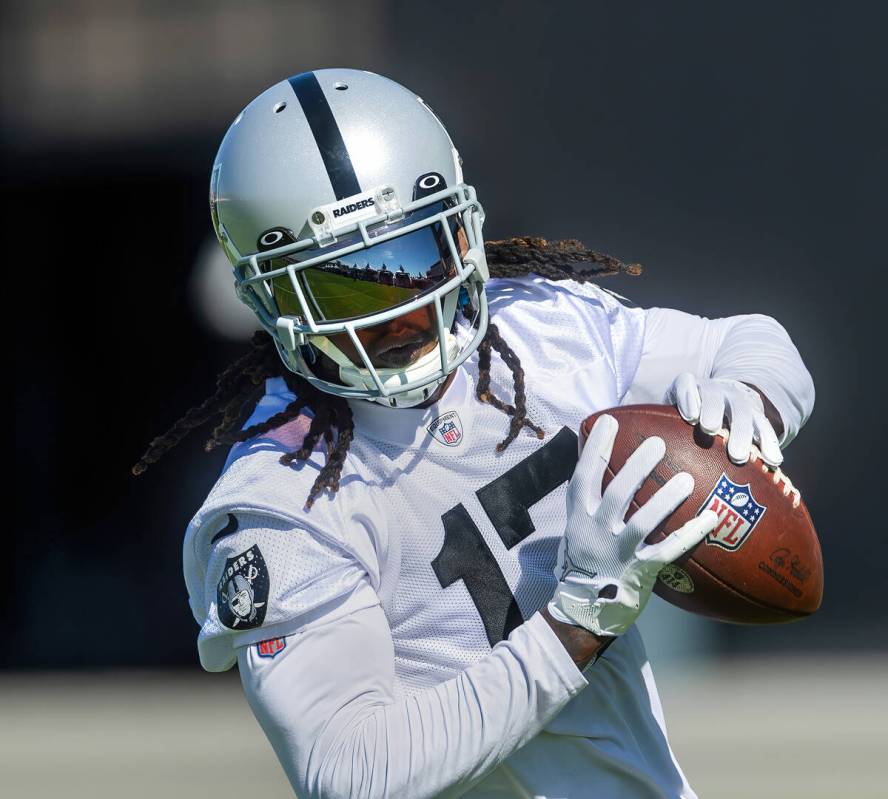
x=676 y=578
x=738 y=513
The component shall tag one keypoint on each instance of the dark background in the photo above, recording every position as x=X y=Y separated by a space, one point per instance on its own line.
x=737 y=152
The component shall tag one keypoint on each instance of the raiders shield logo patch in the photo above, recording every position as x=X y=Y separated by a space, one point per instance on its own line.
x=447 y=429
x=242 y=590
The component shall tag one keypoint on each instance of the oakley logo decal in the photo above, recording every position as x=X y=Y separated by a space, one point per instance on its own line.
x=275 y=237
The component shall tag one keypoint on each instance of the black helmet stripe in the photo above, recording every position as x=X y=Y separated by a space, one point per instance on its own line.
x=327 y=135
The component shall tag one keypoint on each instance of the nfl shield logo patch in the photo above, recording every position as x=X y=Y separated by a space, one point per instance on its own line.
x=738 y=513
x=447 y=429
x=269 y=648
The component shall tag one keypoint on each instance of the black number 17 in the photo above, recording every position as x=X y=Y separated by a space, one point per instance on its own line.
x=465 y=555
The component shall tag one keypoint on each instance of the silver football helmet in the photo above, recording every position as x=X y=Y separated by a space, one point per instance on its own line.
x=339 y=199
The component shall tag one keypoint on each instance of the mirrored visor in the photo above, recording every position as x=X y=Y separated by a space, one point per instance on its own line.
x=376 y=278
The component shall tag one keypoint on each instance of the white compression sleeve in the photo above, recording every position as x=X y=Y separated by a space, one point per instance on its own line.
x=326 y=704
x=751 y=348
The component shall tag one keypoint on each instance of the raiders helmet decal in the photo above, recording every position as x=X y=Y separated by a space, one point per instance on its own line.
x=242 y=590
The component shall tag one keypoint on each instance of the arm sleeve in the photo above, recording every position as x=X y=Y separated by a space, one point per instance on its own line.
x=261 y=577
x=327 y=705
x=752 y=348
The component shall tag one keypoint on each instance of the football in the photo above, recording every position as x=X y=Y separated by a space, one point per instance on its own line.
x=762 y=563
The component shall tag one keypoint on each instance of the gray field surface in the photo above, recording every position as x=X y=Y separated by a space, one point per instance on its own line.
x=787 y=728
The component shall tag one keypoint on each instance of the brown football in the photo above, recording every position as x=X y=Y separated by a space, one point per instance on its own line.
x=762 y=563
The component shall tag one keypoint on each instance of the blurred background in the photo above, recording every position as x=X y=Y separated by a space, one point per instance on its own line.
x=737 y=152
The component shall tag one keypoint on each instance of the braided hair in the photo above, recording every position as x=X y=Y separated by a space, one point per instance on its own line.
x=238 y=384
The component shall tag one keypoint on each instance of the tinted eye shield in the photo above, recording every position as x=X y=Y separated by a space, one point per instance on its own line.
x=379 y=288
x=373 y=279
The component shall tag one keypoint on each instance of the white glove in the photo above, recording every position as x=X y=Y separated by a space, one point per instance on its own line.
x=709 y=401
x=608 y=570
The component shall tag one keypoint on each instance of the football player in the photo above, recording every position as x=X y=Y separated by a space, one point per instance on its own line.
x=424 y=587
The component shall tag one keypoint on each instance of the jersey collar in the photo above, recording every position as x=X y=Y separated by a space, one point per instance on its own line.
x=405 y=427
x=408 y=427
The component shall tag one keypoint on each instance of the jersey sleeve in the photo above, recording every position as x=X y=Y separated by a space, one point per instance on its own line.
x=752 y=348
x=261 y=577
x=327 y=705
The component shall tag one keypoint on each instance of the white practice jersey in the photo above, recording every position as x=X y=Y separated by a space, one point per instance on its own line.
x=450 y=548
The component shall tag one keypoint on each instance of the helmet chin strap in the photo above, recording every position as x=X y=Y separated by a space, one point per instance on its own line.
x=391 y=378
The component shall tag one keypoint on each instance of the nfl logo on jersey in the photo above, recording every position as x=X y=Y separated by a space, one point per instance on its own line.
x=447 y=429
x=738 y=513
x=271 y=647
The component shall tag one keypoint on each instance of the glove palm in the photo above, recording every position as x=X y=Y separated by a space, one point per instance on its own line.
x=608 y=571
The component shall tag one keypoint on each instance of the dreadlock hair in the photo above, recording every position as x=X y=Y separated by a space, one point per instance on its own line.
x=238 y=384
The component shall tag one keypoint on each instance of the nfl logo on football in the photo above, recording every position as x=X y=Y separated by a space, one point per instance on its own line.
x=738 y=513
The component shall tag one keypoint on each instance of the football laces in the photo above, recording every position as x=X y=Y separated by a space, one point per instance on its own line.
x=778 y=477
